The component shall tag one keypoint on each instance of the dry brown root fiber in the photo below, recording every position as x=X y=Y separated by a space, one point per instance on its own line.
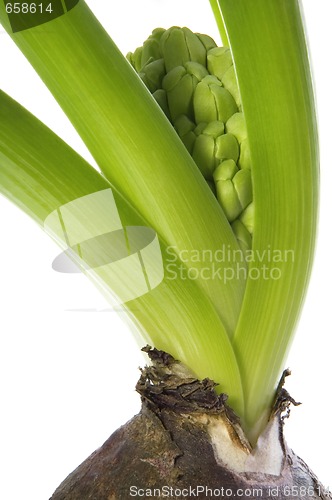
x=187 y=443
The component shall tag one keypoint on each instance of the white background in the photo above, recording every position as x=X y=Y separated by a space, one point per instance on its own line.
x=65 y=384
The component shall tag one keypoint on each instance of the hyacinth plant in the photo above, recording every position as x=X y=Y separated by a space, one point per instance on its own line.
x=196 y=149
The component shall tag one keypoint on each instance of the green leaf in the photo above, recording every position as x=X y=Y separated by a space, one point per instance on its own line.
x=43 y=175
x=270 y=55
x=132 y=142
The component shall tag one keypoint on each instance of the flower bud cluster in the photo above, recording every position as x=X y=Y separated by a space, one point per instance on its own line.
x=195 y=84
